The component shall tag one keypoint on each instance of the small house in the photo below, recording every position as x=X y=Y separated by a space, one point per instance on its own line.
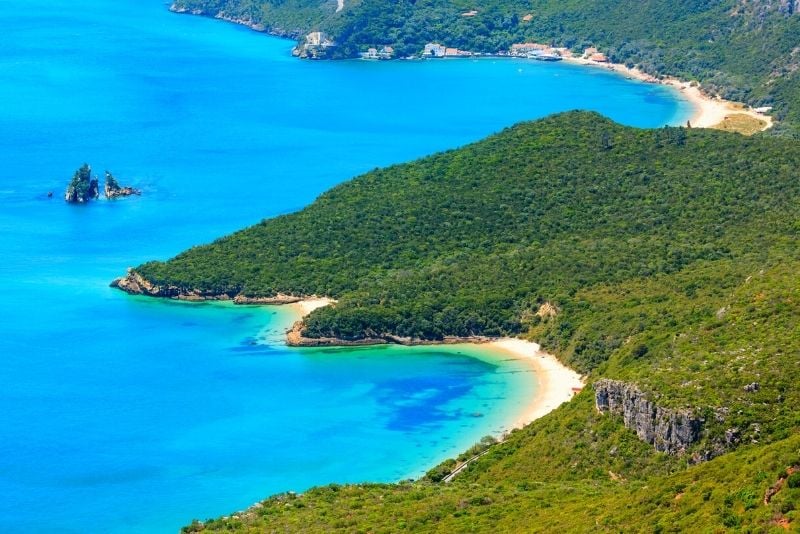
x=434 y=50
x=523 y=49
x=371 y=53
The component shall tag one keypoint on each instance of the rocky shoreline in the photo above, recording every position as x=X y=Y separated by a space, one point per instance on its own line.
x=135 y=284
x=249 y=23
x=295 y=338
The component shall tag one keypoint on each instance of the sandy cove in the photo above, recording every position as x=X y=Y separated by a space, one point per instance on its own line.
x=308 y=305
x=556 y=383
x=709 y=112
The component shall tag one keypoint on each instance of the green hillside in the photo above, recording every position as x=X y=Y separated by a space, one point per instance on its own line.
x=745 y=51
x=671 y=257
x=531 y=483
x=471 y=242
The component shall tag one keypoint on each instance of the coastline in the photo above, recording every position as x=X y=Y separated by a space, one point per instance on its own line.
x=709 y=112
x=555 y=382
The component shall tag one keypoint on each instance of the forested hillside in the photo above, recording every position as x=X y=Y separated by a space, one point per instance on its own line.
x=670 y=257
x=471 y=242
x=744 y=51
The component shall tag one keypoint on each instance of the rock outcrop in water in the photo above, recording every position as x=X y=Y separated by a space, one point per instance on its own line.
x=114 y=190
x=82 y=188
x=668 y=430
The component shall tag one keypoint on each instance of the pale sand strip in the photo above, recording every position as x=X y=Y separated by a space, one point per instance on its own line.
x=306 y=306
x=709 y=112
x=557 y=383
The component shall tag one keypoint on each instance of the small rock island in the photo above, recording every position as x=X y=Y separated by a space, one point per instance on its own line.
x=114 y=190
x=83 y=188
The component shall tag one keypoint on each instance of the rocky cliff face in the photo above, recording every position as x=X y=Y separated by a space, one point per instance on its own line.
x=114 y=190
x=136 y=284
x=668 y=430
x=82 y=188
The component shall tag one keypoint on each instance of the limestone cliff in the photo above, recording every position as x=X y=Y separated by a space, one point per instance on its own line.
x=136 y=284
x=669 y=430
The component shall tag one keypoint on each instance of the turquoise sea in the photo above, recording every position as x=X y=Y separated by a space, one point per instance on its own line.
x=123 y=414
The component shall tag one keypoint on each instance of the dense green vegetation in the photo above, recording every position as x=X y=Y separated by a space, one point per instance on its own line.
x=572 y=471
x=471 y=242
x=671 y=256
x=745 y=51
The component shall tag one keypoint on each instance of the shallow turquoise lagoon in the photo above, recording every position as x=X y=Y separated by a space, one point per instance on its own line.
x=128 y=414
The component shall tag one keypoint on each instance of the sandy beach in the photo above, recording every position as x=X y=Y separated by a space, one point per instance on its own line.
x=709 y=112
x=557 y=383
x=306 y=306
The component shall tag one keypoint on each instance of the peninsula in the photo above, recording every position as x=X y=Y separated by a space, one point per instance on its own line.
x=659 y=263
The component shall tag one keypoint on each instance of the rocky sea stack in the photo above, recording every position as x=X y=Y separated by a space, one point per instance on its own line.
x=114 y=190
x=82 y=188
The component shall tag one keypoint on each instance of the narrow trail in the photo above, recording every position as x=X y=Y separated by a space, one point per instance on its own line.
x=449 y=478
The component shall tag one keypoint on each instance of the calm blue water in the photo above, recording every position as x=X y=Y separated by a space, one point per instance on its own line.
x=128 y=414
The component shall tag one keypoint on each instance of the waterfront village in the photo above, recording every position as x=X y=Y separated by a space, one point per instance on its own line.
x=317 y=43
x=539 y=51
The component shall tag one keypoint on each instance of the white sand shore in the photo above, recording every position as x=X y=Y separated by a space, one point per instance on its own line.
x=557 y=382
x=709 y=112
x=306 y=306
